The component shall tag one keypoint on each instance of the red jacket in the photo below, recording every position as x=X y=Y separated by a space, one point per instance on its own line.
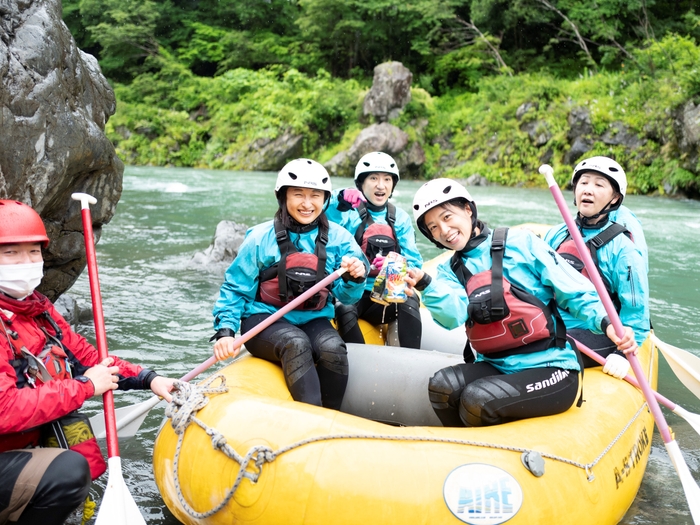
x=22 y=410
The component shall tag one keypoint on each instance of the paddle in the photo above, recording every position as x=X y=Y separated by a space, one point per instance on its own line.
x=690 y=417
x=117 y=507
x=685 y=365
x=691 y=488
x=129 y=418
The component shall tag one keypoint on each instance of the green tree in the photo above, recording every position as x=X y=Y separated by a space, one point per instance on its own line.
x=124 y=31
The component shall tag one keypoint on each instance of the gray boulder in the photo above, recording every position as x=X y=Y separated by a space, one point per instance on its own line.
x=686 y=126
x=266 y=154
x=54 y=104
x=391 y=91
x=385 y=137
x=223 y=249
x=618 y=134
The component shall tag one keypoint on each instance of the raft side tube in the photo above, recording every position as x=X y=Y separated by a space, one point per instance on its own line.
x=390 y=384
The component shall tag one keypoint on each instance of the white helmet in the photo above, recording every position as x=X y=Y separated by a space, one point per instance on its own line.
x=606 y=167
x=304 y=173
x=434 y=193
x=375 y=162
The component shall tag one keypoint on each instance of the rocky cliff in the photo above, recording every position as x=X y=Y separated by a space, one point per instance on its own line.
x=54 y=103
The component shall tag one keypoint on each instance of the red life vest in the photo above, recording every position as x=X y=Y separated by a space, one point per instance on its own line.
x=295 y=272
x=504 y=319
x=376 y=239
x=569 y=252
x=51 y=363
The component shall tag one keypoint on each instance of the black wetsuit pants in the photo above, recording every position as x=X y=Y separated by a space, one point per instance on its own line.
x=41 y=486
x=407 y=313
x=599 y=343
x=313 y=356
x=477 y=394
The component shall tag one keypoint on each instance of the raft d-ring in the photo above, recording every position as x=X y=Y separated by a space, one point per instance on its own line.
x=532 y=460
x=589 y=474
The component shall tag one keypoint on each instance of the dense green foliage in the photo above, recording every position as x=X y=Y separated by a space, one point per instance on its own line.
x=199 y=81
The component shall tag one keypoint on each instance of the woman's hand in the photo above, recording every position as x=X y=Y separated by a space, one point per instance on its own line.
x=354 y=266
x=162 y=386
x=104 y=376
x=413 y=276
x=224 y=348
x=627 y=344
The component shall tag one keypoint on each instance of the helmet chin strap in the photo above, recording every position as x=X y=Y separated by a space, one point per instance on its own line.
x=585 y=222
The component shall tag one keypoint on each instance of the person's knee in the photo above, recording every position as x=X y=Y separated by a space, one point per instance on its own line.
x=346 y=316
x=65 y=483
x=411 y=308
x=477 y=399
x=333 y=354
x=444 y=388
x=295 y=355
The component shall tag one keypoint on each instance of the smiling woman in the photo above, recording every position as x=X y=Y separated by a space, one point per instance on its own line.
x=295 y=251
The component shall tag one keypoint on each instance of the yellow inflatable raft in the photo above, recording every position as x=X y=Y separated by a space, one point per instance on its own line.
x=308 y=465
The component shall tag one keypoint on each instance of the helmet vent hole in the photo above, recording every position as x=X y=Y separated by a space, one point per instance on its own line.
x=325 y=180
x=416 y=207
x=447 y=190
x=292 y=176
x=366 y=163
x=392 y=165
x=613 y=169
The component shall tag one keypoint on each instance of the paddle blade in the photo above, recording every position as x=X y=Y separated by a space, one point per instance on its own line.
x=690 y=417
x=118 y=507
x=685 y=365
x=129 y=419
x=690 y=487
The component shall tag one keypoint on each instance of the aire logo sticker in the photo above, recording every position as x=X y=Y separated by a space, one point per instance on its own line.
x=481 y=494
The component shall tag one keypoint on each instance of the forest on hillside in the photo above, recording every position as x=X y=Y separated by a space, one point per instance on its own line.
x=199 y=81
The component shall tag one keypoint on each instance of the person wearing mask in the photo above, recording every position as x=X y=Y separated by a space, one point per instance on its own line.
x=505 y=287
x=47 y=372
x=600 y=185
x=379 y=227
x=276 y=262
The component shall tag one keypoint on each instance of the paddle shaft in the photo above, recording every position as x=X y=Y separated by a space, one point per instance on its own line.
x=592 y=270
x=601 y=361
x=100 y=334
x=138 y=411
x=267 y=322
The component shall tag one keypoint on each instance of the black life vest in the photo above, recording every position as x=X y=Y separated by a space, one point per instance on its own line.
x=376 y=238
x=503 y=318
x=568 y=251
x=295 y=272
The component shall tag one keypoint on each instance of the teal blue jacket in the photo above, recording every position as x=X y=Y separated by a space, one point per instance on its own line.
x=258 y=252
x=623 y=215
x=532 y=265
x=622 y=265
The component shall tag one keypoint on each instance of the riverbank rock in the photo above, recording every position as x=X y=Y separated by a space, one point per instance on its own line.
x=391 y=91
x=268 y=154
x=224 y=248
x=409 y=156
x=54 y=103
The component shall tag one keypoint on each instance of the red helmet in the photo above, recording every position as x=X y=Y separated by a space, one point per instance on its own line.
x=20 y=223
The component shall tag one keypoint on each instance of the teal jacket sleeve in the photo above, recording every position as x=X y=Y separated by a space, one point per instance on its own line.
x=240 y=283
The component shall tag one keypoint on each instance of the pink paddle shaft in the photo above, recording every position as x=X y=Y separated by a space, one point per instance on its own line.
x=267 y=322
x=610 y=309
x=100 y=334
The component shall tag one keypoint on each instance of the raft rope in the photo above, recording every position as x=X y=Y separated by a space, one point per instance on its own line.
x=190 y=398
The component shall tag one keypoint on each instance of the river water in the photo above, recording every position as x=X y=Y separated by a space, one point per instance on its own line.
x=158 y=306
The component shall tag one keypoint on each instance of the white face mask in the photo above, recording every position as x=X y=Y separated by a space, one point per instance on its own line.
x=19 y=280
